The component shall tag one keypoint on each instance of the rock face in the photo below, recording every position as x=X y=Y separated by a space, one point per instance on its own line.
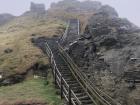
x=4 y=18
x=104 y=52
x=110 y=34
x=74 y=5
x=108 y=11
x=8 y=50
x=67 y=9
x=37 y=7
x=117 y=39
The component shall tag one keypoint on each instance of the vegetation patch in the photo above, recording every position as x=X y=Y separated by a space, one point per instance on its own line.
x=31 y=90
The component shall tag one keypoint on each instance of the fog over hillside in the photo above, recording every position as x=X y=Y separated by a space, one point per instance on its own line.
x=88 y=46
x=125 y=8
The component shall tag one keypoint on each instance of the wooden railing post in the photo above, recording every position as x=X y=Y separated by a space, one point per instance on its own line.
x=51 y=59
x=69 y=95
x=61 y=87
x=55 y=76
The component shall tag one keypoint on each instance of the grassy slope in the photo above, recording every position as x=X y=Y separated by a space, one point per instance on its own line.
x=17 y=36
x=31 y=89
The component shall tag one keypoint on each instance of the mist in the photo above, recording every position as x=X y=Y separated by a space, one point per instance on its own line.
x=126 y=8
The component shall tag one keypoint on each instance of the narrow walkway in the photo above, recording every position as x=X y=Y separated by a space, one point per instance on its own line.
x=74 y=86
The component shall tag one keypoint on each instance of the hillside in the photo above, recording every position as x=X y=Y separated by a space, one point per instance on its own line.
x=68 y=9
x=5 y=18
x=17 y=34
x=18 y=56
x=107 y=51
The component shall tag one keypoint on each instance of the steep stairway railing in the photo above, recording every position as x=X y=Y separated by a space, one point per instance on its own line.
x=66 y=90
x=66 y=31
x=64 y=36
x=95 y=94
x=99 y=97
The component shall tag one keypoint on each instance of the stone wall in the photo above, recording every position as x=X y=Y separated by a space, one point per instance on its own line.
x=37 y=7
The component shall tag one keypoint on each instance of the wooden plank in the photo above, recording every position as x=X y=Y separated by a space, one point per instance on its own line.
x=65 y=83
x=65 y=90
x=58 y=84
x=73 y=102
x=75 y=97
x=65 y=96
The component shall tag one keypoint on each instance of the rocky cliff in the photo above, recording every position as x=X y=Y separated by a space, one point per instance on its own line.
x=108 y=53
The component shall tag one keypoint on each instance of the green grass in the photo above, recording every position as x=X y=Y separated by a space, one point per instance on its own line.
x=32 y=89
x=50 y=92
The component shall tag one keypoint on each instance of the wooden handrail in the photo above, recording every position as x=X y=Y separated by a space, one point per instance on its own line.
x=98 y=97
x=84 y=84
x=88 y=85
x=66 y=32
x=75 y=97
x=59 y=78
x=94 y=92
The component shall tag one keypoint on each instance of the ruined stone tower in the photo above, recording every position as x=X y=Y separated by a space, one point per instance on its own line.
x=37 y=7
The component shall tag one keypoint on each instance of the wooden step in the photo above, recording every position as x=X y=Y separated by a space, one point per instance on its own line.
x=81 y=94
x=66 y=72
x=85 y=102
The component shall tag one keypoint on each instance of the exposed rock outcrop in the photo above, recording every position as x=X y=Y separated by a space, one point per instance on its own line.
x=104 y=52
x=108 y=11
x=8 y=50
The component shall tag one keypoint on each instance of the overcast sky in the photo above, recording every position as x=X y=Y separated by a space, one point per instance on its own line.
x=126 y=8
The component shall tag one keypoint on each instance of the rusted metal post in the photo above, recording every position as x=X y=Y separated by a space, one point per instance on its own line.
x=69 y=94
x=61 y=87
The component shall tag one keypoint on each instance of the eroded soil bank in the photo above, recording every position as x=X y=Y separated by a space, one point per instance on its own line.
x=36 y=70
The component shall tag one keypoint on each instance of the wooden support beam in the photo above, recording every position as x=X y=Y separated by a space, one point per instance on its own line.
x=69 y=93
x=61 y=87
